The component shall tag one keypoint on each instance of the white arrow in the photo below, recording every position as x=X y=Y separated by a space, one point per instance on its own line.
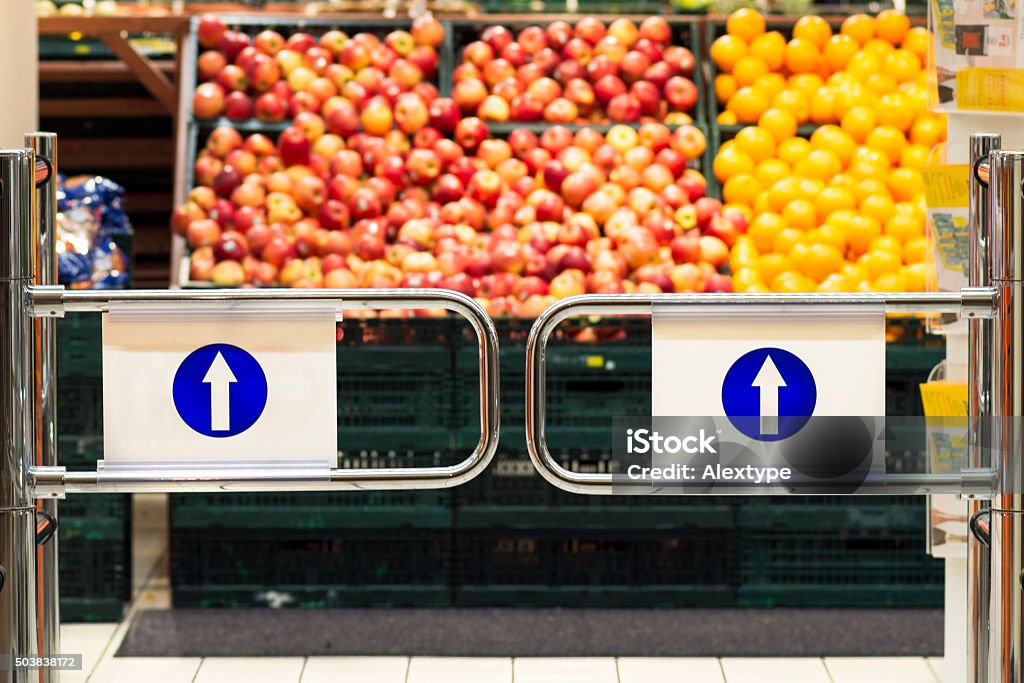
x=220 y=378
x=769 y=380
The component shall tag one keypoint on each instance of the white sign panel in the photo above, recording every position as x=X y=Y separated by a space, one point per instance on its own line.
x=777 y=367
x=208 y=386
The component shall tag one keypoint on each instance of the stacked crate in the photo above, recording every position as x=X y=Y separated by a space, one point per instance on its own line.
x=94 y=530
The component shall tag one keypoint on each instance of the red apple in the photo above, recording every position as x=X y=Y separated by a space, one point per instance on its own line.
x=648 y=95
x=238 y=106
x=608 y=87
x=202 y=233
x=526 y=107
x=656 y=29
x=208 y=101
x=556 y=138
x=470 y=132
x=681 y=93
x=209 y=30
x=624 y=107
x=426 y=30
x=270 y=107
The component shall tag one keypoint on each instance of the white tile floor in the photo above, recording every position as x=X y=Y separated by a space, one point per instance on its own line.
x=99 y=642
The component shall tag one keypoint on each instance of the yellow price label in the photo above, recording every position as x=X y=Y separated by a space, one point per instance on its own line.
x=988 y=89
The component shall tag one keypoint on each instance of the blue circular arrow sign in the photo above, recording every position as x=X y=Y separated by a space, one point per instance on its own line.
x=769 y=394
x=220 y=390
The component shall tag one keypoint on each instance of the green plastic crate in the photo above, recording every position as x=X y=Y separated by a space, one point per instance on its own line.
x=95 y=567
x=852 y=568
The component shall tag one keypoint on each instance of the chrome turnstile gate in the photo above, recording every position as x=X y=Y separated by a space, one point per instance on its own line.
x=994 y=306
x=29 y=474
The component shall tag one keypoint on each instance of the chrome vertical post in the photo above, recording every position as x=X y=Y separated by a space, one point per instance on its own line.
x=979 y=369
x=47 y=574
x=1006 y=403
x=17 y=414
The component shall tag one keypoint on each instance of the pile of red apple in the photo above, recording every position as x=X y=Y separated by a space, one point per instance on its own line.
x=353 y=81
x=517 y=222
x=576 y=74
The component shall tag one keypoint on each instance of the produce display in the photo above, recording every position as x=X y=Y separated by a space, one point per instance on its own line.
x=359 y=80
x=843 y=208
x=577 y=74
x=517 y=222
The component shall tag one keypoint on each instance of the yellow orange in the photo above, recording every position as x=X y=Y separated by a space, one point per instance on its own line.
x=889 y=141
x=787 y=239
x=891 y=26
x=928 y=131
x=817 y=261
x=802 y=56
x=902 y=65
x=895 y=110
x=782 y=193
x=725 y=87
x=867 y=187
x=771 y=48
x=880 y=261
x=839 y=50
x=793 y=282
x=813 y=29
x=860 y=27
x=881 y=84
x=726 y=118
x=771 y=171
x=836 y=140
x=771 y=84
x=745 y=23
x=807 y=83
x=915 y=276
x=771 y=265
x=864 y=64
x=915 y=155
x=756 y=142
x=793 y=150
x=748 y=69
x=832 y=199
x=742 y=188
x=860 y=230
x=795 y=102
x=877 y=206
x=905 y=183
x=836 y=283
x=731 y=162
x=745 y=278
x=915 y=250
x=917 y=40
x=820 y=164
x=831 y=234
x=748 y=104
x=727 y=50
x=779 y=122
x=823 y=105
x=903 y=228
x=858 y=122
x=800 y=214
x=845 y=181
x=878 y=47
x=764 y=229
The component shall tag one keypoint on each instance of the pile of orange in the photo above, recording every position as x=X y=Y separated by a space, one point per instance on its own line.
x=843 y=210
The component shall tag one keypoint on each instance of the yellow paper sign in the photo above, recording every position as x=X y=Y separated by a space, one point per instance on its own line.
x=946 y=187
x=944 y=399
x=990 y=89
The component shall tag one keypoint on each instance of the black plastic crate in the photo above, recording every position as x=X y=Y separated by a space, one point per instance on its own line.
x=852 y=568
x=310 y=567
x=587 y=568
